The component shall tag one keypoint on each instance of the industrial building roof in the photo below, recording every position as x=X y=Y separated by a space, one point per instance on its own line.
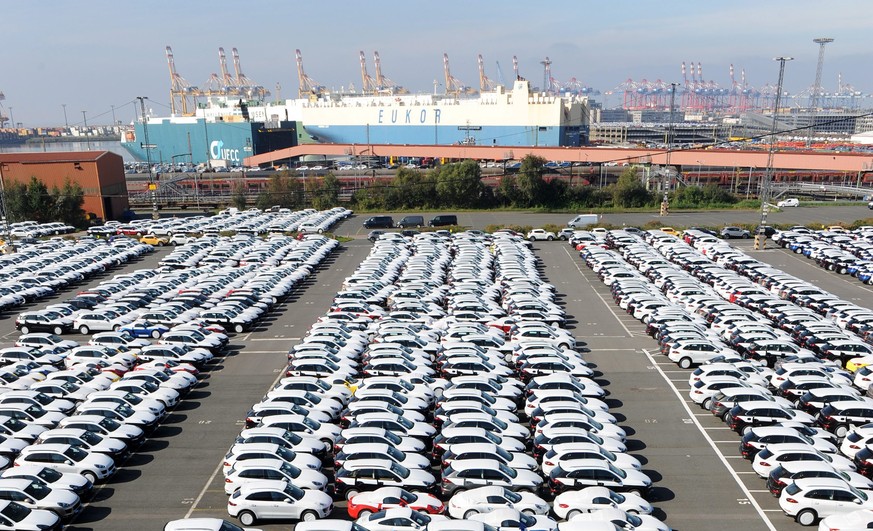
x=53 y=156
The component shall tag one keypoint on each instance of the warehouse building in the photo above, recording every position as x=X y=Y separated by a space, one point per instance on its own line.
x=99 y=173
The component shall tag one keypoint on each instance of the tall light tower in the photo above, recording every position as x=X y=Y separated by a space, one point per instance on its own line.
x=153 y=187
x=768 y=174
x=66 y=123
x=816 y=88
x=547 y=74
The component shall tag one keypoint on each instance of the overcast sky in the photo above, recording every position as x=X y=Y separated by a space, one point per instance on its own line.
x=92 y=54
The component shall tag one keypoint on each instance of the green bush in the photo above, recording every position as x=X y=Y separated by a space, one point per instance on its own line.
x=551 y=227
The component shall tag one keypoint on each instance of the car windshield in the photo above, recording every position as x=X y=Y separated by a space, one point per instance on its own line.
x=290 y=470
x=617 y=471
x=294 y=492
x=15 y=511
x=511 y=496
x=634 y=520
x=75 y=454
x=37 y=490
x=228 y=526
x=607 y=454
x=616 y=497
x=110 y=424
x=392 y=437
x=506 y=456
x=14 y=424
x=91 y=438
x=311 y=424
x=508 y=472
x=396 y=454
x=285 y=454
x=49 y=475
x=407 y=496
x=400 y=470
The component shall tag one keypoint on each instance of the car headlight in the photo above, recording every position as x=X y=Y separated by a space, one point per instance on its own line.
x=100 y=466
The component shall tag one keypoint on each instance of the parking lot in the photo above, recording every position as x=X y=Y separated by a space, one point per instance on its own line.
x=701 y=480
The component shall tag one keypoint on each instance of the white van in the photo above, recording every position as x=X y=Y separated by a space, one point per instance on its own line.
x=583 y=220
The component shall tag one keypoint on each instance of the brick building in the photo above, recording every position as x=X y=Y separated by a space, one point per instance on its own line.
x=99 y=173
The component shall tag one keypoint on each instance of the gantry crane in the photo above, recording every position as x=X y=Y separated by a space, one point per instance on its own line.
x=252 y=90
x=383 y=84
x=485 y=84
x=228 y=83
x=453 y=84
x=180 y=90
x=368 y=84
x=308 y=87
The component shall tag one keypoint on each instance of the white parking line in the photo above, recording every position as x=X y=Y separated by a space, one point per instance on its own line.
x=608 y=306
x=722 y=457
x=221 y=462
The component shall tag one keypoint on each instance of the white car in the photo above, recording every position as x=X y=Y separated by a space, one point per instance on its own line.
x=791 y=202
x=623 y=520
x=400 y=518
x=486 y=499
x=540 y=234
x=16 y=517
x=509 y=519
x=258 y=469
x=244 y=451
x=66 y=458
x=100 y=321
x=775 y=454
x=807 y=500
x=566 y=453
x=860 y=519
x=573 y=502
x=269 y=500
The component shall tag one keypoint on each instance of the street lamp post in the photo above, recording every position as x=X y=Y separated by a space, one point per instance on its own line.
x=749 y=187
x=768 y=173
x=85 y=129
x=148 y=150
x=66 y=123
x=698 y=173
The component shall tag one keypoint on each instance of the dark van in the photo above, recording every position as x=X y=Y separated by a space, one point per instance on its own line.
x=411 y=221
x=443 y=220
x=379 y=222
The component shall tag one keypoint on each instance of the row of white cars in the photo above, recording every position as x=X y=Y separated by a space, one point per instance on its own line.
x=71 y=414
x=793 y=418
x=435 y=385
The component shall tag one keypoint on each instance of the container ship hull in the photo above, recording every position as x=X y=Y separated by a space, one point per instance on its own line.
x=505 y=118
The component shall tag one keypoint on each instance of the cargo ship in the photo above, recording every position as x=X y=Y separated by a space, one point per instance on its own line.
x=230 y=130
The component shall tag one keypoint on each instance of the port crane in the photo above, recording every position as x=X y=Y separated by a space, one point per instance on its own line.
x=180 y=90
x=249 y=88
x=485 y=84
x=453 y=84
x=308 y=87
x=368 y=84
x=383 y=84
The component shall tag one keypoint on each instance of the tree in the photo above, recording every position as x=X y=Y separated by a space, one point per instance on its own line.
x=16 y=202
x=283 y=190
x=68 y=202
x=460 y=185
x=629 y=191
x=411 y=188
x=326 y=193
x=507 y=191
x=38 y=201
x=530 y=183
x=238 y=195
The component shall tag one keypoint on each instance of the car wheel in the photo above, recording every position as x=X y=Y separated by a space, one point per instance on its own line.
x=746 y=429
x=309 y=516
x=841 y=430
x=238 y=328
x=115 y=328
x=805 y=517
x=363 y=513
x=636 y=492
x=246 y=518
x=572 y=514
x=351 y=494
x=727 y=416
x=58 y=330
x=25 y=330
x=532 y=239
x=84 y=330
x=469 y=514
x=685 y=363
x=90 y=476
x=707 y=403
x=156 y=334
x=550 y=238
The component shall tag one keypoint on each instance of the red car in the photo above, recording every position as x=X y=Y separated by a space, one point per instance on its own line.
x=367 y=503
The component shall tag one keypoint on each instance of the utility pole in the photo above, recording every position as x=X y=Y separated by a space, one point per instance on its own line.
x=114 y=123
x=816 y=88
x=87 y=138
x=768 y=173
x=66 y=123
x=153 y=187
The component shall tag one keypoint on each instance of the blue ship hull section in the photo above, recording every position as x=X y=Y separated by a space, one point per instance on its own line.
x=173 y=142
x=444 y=135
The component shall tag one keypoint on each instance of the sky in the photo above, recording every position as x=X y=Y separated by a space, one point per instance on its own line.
x=93 y=54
